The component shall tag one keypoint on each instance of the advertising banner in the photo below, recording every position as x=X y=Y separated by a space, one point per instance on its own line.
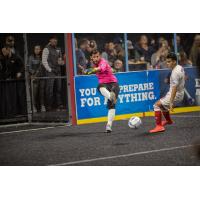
x=138 y=92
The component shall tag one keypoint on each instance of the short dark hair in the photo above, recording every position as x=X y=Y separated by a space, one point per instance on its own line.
x=53 y=37
x=82 y=41
x=172 y=56
x=95 y=51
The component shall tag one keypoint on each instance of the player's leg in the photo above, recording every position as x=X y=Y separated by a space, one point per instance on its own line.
x=158 y=118
x=167 y=116
x=106 y=91
x=165 y=110
x=114 y=87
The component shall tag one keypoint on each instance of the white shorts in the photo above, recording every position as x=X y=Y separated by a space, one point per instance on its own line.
x=165 y=101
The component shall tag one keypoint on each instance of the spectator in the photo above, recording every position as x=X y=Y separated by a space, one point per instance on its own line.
x=36 y=70
x=159 y=57
x=52 y=62
x=118 y=66
x=4 y=55
x=120 y=53
x=183 y=60
x=104 y=53
x=11 y=64
x=110 y=53
x=143 y=52
x=153 y=43
x=195 y=52
x=80 y=55
x=10 y=42
x=178 y=43
x=130 y=50
x=92 y=45
x=161 y=39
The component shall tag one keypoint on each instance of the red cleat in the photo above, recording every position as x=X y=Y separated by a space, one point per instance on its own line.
x=164 y=123
x=157 y=129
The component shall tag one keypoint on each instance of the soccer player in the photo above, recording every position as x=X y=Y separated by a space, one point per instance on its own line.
x=108 y=84
x=174 y=95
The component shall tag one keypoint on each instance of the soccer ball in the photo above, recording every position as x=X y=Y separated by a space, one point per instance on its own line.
x=134 y=122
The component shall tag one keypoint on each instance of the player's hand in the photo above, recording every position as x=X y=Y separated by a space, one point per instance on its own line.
x=171 y=107
x=89 y=71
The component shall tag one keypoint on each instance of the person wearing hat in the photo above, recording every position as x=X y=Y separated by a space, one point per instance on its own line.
x=52 y=62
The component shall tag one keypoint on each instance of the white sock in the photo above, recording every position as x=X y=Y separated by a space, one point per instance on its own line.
x=105 y=92
x=111 y=116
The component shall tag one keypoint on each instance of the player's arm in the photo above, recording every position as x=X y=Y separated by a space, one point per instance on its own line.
x=173 y=94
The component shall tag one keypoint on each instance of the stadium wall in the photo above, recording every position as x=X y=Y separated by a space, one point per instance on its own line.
x=138 y=92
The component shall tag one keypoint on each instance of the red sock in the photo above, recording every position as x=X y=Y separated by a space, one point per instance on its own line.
x=158 y=117
x=167 y=116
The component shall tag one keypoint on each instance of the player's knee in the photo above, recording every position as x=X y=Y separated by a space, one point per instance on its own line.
x=110 y=105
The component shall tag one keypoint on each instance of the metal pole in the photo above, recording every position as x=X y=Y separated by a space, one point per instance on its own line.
x=126 y=51
x=28 y=97
x=70 y=78
x=175 y=44
x=74 y=54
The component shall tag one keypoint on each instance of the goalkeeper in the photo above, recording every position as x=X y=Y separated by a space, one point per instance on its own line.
x=108 y=84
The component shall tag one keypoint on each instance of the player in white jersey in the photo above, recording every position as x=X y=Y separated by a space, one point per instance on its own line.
x=173 y=96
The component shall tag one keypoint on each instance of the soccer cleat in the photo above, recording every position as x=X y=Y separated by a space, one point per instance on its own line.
x=113 y=97
x=157 y=129
x=108 y=128
x=164 y=123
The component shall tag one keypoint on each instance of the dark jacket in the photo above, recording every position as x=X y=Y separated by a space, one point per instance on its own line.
x=10 y=66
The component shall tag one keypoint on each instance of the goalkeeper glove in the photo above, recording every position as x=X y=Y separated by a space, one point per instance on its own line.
x=89 y=71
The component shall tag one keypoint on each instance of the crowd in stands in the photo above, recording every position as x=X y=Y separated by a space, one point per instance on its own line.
x=48 y=61
x=145 y=53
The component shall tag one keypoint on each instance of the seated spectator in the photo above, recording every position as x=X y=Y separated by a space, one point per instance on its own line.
x=195 y=52
x=178 y=44
x=11 y=64
x=160 y=41
x=120 y=52
x=110 y=53
x=153 y=43
x=130 y=51
x=118 y=66
x=104 y=53
x=183 y=60
x=143 y=51
x=36 y=70
x=159 y=57
x=92 y=45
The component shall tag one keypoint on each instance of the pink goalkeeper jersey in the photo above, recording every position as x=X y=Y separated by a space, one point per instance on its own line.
x=105 y=75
